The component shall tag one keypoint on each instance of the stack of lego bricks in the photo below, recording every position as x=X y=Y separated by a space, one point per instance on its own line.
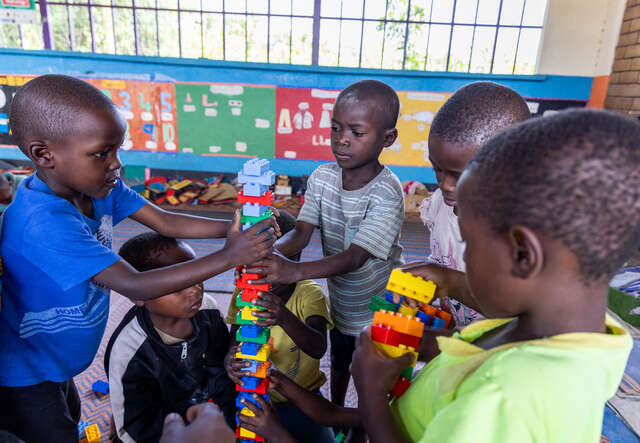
x=256 y=199
x=398 y=327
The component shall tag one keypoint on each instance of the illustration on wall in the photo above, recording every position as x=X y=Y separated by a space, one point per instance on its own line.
x=221 y=119
x=9 y=84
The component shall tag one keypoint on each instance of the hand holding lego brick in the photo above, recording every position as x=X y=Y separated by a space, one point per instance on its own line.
x=234 y=366
x=275 y=269
x=275 y=314
x=264 y=421
x=374 y=374
x=207 y=425
x=253 y=244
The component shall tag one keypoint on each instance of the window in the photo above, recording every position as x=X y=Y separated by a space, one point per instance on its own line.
x=490 y=36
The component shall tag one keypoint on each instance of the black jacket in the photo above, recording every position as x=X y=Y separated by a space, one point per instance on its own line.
x=149 y=379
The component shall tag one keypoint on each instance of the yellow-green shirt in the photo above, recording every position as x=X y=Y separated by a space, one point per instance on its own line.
x=547 y=390
x=306 y=301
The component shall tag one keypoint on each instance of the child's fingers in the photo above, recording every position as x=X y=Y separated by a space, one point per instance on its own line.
x=264 y=323
x=263 y=404
x=252 y=407
x=235 y=222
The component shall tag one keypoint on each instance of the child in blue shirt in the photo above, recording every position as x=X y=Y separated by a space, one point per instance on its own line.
x=56 y=251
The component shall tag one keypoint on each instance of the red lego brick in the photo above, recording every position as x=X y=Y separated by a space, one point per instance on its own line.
x=248 y=295
x=243 y=285
x=247 y=277
x=261 y=389
x=384 y=334
x=265 y=199
x=400 y=387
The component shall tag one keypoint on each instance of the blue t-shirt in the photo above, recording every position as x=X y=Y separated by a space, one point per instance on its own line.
x=53 y=316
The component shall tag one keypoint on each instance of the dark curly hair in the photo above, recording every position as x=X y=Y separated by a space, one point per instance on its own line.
x=376 y=93
x=574 y=176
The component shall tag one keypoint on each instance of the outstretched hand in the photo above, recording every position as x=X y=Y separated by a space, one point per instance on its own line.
x=253 y=244
x=265 y=423
x=275 y=269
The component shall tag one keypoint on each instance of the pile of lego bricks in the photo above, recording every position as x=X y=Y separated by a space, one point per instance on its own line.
x=255 y=198
x=174 y=191
x=397 y=327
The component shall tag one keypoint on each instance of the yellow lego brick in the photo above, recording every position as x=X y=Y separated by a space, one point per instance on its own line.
x=407 y=310
x=397 y=351
x=399 y=322
x=410 y=286
x=248 y=412
x=262 y=355
x=93 y=434
x=245 y=433
x=247 y=313
x=181 y=184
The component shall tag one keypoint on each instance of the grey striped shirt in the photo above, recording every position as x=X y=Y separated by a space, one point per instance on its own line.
x=370 y=217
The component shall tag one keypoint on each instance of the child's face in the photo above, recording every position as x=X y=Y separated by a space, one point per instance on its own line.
x=181 y=304
x=448 y=160
x=357 y=137
x=87 y=162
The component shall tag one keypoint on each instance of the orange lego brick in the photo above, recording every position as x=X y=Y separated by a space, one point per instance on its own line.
x=405 y=324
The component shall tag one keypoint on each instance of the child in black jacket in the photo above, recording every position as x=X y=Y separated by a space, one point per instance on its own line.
x=168 y=353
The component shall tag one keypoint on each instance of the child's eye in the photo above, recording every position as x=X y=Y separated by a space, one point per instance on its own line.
x=335 y=129
x=102 y=154
x=358 y=134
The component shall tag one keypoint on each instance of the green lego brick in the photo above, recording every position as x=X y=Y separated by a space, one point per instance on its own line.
x=242 y=304
x=378 y=303
x=408 y=373
x=263 y=338
x=254 y=220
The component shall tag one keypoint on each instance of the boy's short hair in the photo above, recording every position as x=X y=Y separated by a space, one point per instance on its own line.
x=574 y=176
x=47 y=106
x=477 y=111
x=142 y=251
x=377 y=93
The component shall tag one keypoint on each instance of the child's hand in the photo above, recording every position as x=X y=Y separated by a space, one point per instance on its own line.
x=251 y=245
x=279 y=381
x=275 y=269
x=276 y=313
x=265 y=423
x=207 y=424
x=234 y=365
x=373 y=373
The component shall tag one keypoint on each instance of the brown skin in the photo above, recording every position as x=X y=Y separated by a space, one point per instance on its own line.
x=518 y=273
x=86 y=165
x=310 y=336
x=6 y=191
x=206 y=425
x=265 y=423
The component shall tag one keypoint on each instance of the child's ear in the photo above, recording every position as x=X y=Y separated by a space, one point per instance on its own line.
x=41 y=154
x=390 y=136
x=526 y=252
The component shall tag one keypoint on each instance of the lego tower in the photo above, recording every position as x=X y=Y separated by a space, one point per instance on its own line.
x=256 y=198
x=397 y=328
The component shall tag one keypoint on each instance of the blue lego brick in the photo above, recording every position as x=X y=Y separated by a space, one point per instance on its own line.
x=249 y=348
x=251 y=331
x=246 y=226
x=438 y=323
x=249 y=397
x=4 y=122
x=254 y=189
x=101 y=387
x=256 y=167
x=266 y=179
x=389 y=297
x=82 y=426
x=253 y=209
x=424 y=317
x=250 y=382
x=253 y=367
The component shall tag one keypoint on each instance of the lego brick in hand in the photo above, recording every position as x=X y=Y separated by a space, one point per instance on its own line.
x=397 y=351
x=253 y=209
x=444 y=316
x=410 y=286
x=244 y=285
x=400 y=323
x=400 y=387
x=262 y=337
x=265 y=179
x=243 y=433
x=251 y=331
x=255 y=167
x=254 y=220
x=248 y=396
x=265 y=200
x=385 y=334
x=260 y=388
x=407 y=310
x=379 y=303
x=261 y=355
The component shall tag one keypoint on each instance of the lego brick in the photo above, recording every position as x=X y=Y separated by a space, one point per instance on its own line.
x=243 y=285
x=249 y=294
x=254 y=220
x=410 y=286
x=249 y=348
x=92 y=434
x=260 y=388
x=181 y=185
x=247 y=313
x=246 y=226
x=250 y=331
x=249 y=397
x=407 y=373
x=251 y=383
x=407 y=310
x=254 y=366
x=81 y=427
x=266 y=179
x=265 y=200
x=254 y=189
x=437 y=313
x=100 y=387
x=262 y=337
x=399 y=322
x=261 y=371
x=246 y=412
x=241 y=303
x=253 y=210
x=423 y=317
x=384 y=334
x=262 y=355
x=243 y=433
x=241 y=321
x=438 y=323
x=389 y=296
x=397 y=351
x=256 y=167
x=400 y=387
x=378 y=303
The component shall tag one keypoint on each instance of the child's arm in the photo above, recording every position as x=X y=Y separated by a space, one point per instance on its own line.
x=310 y=335
x=316 y=407
x=449 y=282
x=295 y=240
x=265 y=422
x=240 y=248
x=374 y=375
x=171 y=224
x=206 y=425
x=278 y=269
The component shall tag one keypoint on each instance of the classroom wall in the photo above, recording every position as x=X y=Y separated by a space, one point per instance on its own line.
x=185 y=118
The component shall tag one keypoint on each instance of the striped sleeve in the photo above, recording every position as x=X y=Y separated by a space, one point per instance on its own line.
x=382 y=223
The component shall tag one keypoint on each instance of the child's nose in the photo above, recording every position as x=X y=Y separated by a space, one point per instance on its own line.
x=116 y=163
